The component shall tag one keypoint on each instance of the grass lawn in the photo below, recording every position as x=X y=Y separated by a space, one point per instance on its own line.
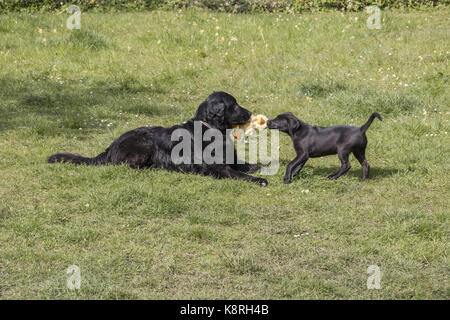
x=154 y=234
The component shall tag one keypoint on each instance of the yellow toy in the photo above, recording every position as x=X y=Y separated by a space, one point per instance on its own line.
x=256 y=122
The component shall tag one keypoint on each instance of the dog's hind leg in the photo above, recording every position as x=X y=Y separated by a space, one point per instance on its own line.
x=343 y=156
x=360 y=155
x=138 y=160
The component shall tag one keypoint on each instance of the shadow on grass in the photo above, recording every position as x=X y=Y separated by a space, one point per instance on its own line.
x=364 y=100
x=53 y=106
x=355 y=171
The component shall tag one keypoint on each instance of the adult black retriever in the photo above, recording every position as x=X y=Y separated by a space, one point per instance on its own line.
x=151 y=147
x=314 y=141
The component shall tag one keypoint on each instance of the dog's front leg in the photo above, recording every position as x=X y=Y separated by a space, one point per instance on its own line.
x=294 y=167
x=246 y=167
x=243 y=166
x=229 y=172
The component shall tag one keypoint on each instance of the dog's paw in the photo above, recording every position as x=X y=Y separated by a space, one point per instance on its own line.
x=287 y=180
x=332 y=177
x=261 y=181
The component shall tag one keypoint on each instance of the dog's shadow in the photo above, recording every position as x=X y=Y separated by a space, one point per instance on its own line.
x=355 y=171
x=375 y=173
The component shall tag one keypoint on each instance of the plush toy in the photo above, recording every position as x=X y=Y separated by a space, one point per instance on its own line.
x=256 y=122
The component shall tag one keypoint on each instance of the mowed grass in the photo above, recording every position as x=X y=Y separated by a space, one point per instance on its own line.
x=152 y=234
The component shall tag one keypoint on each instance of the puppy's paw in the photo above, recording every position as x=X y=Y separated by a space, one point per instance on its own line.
x=287 y=180
x=261 y=181
x=332 y=177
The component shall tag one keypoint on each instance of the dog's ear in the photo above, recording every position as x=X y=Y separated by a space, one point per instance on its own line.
x=200 y=114
x=293 y=124
x=213 y=113
x=216 y=115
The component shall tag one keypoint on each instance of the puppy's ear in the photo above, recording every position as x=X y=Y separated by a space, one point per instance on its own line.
x=294 y=124
x=291 y=132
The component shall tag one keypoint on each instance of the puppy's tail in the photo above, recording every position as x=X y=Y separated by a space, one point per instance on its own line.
x=366 y=125
x=77 y=159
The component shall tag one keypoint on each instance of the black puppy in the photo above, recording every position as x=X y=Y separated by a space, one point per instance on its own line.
x=151 y=147
x=313 y=141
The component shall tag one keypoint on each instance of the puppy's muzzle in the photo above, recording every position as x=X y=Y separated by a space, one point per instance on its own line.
x=271 y=124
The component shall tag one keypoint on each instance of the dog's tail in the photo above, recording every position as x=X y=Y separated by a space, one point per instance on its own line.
x=366 y=125
x=77 y=159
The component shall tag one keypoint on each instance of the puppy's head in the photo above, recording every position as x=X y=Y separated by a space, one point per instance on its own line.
x=285 y=122
x=221 y=111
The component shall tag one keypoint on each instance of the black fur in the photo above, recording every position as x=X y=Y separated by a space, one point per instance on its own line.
x=313 y=141
x=151 y=147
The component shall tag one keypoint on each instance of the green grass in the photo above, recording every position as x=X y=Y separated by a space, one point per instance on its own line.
x=156 y=234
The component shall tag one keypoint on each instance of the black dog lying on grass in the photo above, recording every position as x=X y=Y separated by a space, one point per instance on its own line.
x=313 y=141
x=151 y=147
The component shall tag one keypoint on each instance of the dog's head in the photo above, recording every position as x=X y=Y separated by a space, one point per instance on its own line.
x=221 y=111
x=285 y=122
